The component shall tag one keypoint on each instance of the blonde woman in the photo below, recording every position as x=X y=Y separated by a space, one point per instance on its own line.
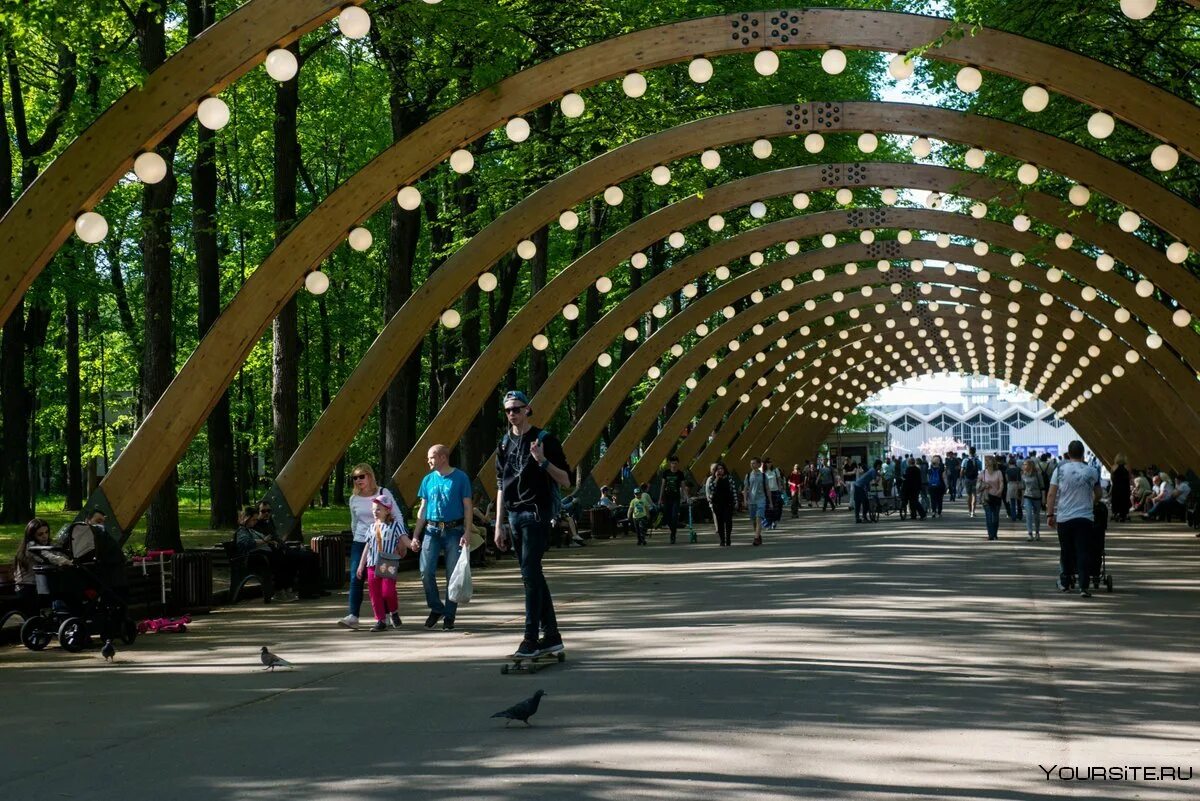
x=991 y=490
x=362 y=521
x=1031 y=486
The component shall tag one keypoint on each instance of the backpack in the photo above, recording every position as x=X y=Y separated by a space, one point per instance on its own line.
x=970 y=469
x=555 y=495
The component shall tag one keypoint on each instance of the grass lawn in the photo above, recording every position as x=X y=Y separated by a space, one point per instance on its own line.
x=194 y=525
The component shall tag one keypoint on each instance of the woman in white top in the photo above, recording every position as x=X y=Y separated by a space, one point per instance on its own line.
x=362 y=518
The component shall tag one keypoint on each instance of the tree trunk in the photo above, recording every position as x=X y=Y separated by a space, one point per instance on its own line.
x=324 y=369
x=222 y=472
x=73 y=433
x=158 y=356
x=285 y=337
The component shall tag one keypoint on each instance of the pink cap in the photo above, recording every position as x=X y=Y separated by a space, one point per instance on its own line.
x=383 y=501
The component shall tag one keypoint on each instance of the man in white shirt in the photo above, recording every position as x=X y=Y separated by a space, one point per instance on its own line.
x=1173 y=502
x=1074 y=490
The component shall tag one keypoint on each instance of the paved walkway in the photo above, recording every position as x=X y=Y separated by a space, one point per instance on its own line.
x=899 y=661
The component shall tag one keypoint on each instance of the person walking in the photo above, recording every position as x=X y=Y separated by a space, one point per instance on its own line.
x=938 y=479
x=381 y=557
x=775 y=484
x=862 y=489
x=723 y=498
x=639 y=516
x=1012 y=489
x=530 y=469
x=953 y=464
x=825 y=487
x=672 y=492
x=923 y=464
x=1121 y=491
x=1031 y=489
x=1074 y=491
x=991 y=486
x=910 y=490
x=442 y=516
x=970 y=476
x=362 y=518
x=795 y=485
x=755 y=491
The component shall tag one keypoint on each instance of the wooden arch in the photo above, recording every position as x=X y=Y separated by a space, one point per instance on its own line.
x=587 y=430
x=165 y=432
x=183 y=409
x=508 y=344
x=1116 y=422
x=41 y=220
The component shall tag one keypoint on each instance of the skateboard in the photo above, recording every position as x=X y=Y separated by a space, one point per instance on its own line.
x=532 y=665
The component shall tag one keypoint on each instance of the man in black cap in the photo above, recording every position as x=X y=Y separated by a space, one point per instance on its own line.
x=530 y=469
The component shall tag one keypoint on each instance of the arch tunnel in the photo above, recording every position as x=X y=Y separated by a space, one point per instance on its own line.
x=775 y=315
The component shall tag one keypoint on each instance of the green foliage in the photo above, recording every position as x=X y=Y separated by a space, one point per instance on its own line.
x=426 y=59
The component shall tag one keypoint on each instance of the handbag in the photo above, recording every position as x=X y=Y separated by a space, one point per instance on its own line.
x=387 y=566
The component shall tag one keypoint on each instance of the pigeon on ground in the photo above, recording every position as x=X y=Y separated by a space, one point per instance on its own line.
x=108 y=651
x=523 y=710
x=271 y=661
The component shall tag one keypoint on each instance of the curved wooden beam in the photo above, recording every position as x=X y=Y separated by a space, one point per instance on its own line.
x=482 y=376
x=366 y=384
x=713 y=418
x=1115 y=421
x=596 y=339
x=801 y=438
x=166 y=432
x=44 y=216
x=280 y=21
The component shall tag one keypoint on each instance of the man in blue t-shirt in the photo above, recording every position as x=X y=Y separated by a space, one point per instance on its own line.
x=442 y=521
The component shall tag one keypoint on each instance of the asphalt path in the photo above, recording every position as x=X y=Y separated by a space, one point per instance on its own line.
x=897 y=660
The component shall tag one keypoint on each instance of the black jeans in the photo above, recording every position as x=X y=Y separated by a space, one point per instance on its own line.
x=1075 y=550
x=936 y=494
x=531 y=538
x=826 y=501
x=670 y=513
x=723 y=515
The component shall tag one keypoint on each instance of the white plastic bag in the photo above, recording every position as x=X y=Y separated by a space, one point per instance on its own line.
x=460 y=580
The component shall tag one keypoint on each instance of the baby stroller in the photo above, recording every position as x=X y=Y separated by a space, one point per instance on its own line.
x=1098 y=569
x=82 y=597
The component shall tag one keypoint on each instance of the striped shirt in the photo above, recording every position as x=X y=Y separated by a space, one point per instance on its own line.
x=387 y=534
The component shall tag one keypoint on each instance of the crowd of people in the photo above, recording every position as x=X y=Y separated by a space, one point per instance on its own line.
x=532 y=469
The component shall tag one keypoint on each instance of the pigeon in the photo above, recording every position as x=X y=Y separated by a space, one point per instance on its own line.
x=271 y=661
x=522 y=710
x=108 y=651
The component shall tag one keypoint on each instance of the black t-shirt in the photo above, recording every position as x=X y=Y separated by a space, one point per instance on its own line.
x=526 y=486
x=672 y=483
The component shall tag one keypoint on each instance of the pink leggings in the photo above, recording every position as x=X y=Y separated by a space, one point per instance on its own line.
x=383 y=594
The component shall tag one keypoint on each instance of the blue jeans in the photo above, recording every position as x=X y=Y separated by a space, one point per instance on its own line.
x=531 y=538
x=436 y=541
x=356 y=583
x=861 y=504
x=1033 y=521
x=991 y=514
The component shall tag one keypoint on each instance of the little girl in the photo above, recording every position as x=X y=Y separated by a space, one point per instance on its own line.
x=389 y=541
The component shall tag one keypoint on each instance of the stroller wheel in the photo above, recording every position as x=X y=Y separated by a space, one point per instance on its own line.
x=1108 y=581
x=72 y=634
x=129 y=631
x=35 y=633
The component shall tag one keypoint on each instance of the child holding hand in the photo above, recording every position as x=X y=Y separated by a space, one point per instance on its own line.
x=388 y=542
